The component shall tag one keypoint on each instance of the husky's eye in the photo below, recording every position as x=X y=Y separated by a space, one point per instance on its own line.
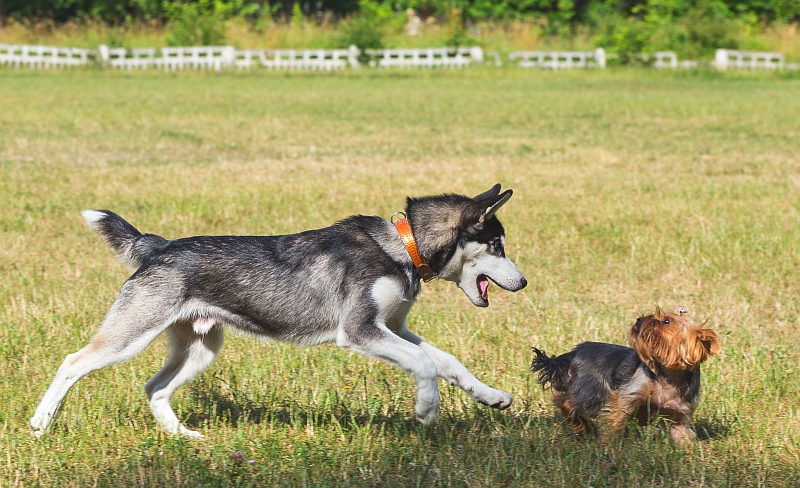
x=497 y=245
x=665 y=322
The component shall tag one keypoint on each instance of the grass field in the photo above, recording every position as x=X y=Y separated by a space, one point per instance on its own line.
x=631 y=188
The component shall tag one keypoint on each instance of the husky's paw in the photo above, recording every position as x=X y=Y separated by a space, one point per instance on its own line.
x=494 y=398
x=39 y=424
x=428 y=418
x=193 y=434
x=427 y=411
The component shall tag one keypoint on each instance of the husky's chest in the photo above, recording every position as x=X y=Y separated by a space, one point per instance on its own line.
x=393 y=300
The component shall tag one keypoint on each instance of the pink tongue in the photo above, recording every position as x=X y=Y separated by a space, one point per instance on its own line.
x=483 y=284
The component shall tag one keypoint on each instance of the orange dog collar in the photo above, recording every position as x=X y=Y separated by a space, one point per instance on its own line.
x=404 y=229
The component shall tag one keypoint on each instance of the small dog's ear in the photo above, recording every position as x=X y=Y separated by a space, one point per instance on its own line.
x=708 y=338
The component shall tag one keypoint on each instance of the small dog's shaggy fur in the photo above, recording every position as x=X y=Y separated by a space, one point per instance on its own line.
x=658 y=377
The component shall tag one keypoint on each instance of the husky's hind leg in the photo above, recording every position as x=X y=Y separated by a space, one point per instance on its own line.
x=132 y=323
x=191 y=354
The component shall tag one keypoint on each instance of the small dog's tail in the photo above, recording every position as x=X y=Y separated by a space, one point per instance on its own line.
x=130 y=246
x=553 y=370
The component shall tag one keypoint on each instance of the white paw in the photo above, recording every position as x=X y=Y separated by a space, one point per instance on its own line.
x=190 y=433
x=427 y=412
x=39 y=424
x=430 y=418
x=494 y=398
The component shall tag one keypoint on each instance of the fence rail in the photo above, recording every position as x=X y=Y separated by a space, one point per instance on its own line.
x=729 y=58
x=427 y=57
x=313 y=59
x=42 y=56
x=560 y=59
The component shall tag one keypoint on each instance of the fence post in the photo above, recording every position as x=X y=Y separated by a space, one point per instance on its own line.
x=721 y=59
x=600 y=57
x=352 y=56
x=476 y=53
x=104 y=56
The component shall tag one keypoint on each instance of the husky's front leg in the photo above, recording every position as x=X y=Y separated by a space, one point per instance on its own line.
x=456 y=374
x=376 y=341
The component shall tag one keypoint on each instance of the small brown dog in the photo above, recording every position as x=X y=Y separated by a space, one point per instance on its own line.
x=658 y=377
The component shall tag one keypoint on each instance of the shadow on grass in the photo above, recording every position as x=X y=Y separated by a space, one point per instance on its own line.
x=235 y=408
x=705 y=429
x=708 y=429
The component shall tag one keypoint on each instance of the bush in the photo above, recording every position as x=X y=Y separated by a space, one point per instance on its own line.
x=203 y=22
x=693 y=32
x=193 y=24
x=457 y=35
x=367 y=29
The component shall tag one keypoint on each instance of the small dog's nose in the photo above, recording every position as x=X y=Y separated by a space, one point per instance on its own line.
x=524 y=283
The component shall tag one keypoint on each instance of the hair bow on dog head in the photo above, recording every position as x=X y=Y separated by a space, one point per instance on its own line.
x=681 y=310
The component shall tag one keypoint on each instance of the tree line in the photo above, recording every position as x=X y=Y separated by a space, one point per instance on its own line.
x=555 y=12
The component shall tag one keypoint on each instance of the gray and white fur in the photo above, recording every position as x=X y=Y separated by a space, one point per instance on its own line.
x=352 y=283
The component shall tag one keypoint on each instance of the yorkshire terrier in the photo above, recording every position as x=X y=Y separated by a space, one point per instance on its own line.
x=659 y=377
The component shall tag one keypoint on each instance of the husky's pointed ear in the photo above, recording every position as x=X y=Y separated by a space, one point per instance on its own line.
x=482 y=210
x=501 y=200
x=490 y=194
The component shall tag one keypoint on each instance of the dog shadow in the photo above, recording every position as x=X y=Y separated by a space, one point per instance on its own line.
x=235 y=409
x=711 y=429
x=705 y=429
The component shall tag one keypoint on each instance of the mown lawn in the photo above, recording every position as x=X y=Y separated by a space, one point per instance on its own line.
x=631 y=188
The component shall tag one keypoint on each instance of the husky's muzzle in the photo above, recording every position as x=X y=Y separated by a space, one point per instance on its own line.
x=475 y=278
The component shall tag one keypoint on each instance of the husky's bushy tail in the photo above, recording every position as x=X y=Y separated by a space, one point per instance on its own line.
x=553 y=370
x=130 y=246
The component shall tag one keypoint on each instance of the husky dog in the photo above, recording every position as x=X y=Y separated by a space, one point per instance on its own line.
x=352 y=283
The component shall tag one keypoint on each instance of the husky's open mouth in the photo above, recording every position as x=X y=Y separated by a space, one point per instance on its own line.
x=483 y=286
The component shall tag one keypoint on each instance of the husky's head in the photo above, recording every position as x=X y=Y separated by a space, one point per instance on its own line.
x=464 y=242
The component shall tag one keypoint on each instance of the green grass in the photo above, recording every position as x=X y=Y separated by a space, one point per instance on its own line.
x=631 y=188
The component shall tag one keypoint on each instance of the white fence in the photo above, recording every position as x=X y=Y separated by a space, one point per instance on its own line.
x=560 y=59
x=660 y=59
x=173 y=58
x=314 y=59
x=729 y=58
x=42 y=56
x=427 y=57
x=219 y=57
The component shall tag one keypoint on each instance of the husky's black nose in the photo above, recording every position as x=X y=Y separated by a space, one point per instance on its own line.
x=524 y=283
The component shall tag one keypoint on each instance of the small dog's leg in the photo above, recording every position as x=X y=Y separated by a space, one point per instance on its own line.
x=580 y=425
x=376 y=341
x=191 y=354
x=680 y=431
x=456 y=374
x=124 y=334
x=617 y=413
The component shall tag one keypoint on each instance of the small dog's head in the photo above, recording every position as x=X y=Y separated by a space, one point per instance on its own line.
x=672 y=341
